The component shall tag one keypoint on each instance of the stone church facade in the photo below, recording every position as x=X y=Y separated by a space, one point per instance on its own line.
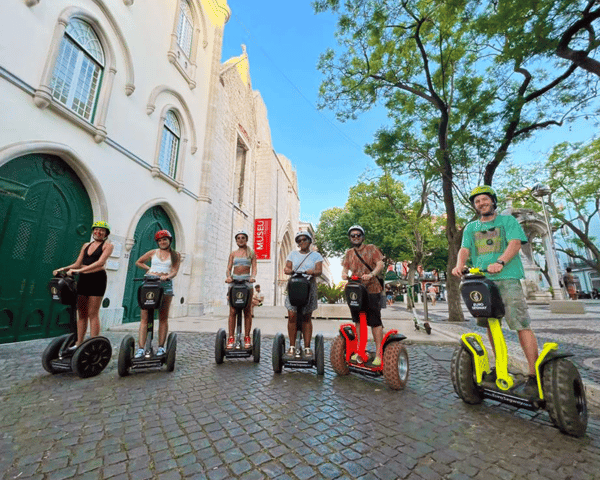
x=121 y=110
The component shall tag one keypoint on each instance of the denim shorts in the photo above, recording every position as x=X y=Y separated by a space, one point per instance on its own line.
x=167 y=288
x=515 y=306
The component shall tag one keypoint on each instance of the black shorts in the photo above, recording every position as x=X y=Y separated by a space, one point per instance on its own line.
x=92 y=284
x=373 y=311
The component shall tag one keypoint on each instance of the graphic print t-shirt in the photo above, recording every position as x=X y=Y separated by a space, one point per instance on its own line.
x=486 y=241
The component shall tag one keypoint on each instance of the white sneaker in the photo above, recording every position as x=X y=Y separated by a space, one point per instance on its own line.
x=140 y=353
x=292 y=351
x=161 y=351
x=307 y=352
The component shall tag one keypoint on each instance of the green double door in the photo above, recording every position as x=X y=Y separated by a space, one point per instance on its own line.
x=153 y=220
x=38 y=233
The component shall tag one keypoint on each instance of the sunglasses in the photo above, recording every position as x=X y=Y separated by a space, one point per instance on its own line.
x=300 y=240
x=355 y=235
x=489 y=230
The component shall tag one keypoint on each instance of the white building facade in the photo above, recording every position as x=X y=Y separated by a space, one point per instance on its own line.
x=120 y=110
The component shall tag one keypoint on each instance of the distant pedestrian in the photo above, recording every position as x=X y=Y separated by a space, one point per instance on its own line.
x=569 y=281
x=432 y=293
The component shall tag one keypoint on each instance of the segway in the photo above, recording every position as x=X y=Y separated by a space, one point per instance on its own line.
x=560 y=389
x=239 y=294
x=87 y=360
x=394 y=359
x=150 y=296
x=298 y=293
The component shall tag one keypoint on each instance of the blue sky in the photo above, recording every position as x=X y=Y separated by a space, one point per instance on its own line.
x=284 y=41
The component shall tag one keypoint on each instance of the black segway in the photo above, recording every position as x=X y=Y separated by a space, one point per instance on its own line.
x=298 y=292
x=150 y=296
x=239 y=293
x=92 y=356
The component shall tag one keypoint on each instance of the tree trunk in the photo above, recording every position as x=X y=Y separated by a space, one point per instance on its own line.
x=455 y=312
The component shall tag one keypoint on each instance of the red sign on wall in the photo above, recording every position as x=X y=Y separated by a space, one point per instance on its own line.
x=262 y=238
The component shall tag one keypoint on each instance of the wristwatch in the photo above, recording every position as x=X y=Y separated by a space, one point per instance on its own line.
x=501 y=262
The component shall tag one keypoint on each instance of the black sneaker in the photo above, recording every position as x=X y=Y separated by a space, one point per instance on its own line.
x=528 y=389
x=490 y=377
x=531 y=387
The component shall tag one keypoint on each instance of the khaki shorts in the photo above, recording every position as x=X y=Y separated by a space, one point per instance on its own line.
x=515 y=306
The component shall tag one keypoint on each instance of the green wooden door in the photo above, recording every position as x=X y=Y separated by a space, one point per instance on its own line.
x=152 y=221
x=39 y=233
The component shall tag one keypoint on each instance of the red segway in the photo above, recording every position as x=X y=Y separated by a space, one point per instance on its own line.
x=239 y=293
x=394 y=361
x=87 y=360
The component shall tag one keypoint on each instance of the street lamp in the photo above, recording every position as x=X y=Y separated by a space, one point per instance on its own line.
x=540 y=191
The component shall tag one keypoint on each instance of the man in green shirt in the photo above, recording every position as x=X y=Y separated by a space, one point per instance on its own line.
x=493 y=242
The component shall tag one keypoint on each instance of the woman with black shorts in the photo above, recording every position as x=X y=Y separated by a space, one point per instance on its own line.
x=92 y=280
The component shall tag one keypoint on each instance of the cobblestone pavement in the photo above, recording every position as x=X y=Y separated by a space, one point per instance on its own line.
x=240 y=420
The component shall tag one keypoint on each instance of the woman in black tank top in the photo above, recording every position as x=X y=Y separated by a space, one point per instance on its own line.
x=92 y=280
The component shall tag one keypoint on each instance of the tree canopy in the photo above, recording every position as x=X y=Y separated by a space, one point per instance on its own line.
x=572 y=172
x=398 y=226
x=459 y=90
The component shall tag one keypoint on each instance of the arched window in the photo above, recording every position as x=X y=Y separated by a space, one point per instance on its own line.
x=78 y=71
x=169 y=145
x=185 y=28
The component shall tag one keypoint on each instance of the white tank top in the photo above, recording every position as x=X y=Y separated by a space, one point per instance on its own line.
x=160 y=266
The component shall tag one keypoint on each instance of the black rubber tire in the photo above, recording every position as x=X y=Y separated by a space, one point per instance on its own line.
x=51 y=352
x=463 y=377
x=91 y=357
x=395 y=365
x=564 y=393
x=320 y=354
x=256 y=345
x=220 y=346
x=337 y=356
x=427 y=328
x=171 y=351
x=277 y=354
x=125 y=355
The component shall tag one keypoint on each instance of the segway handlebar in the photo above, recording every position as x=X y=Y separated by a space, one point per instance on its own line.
x=474 y=271
x=147 y=277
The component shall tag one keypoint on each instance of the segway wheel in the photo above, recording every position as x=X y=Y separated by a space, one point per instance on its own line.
x=220 y=346
x=277 y=354
x=91 y=357
x=337 y=356
x=256 y=344
x=125 y=355
x=565 y=397
x=427 y=328
x=171 y=351
x=320 y=354
x=395 y=365
x=51 y=351
x=463 y=377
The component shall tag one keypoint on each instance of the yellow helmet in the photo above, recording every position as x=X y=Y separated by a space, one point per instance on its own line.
x=102 y=224
x=484 y=190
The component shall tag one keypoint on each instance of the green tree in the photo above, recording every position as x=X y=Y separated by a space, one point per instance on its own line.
x=459 y=92
x=572 y=173
x=402 y=229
